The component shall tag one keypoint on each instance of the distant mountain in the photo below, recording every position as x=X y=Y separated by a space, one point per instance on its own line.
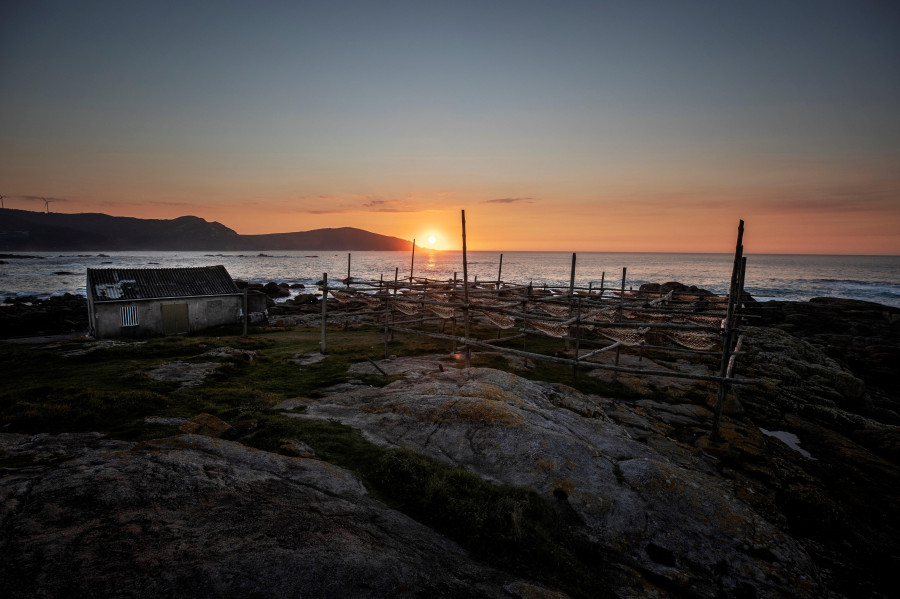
x=25 y=230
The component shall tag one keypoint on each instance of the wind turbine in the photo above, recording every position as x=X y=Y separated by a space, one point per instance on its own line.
x=1 y=202
x=47 y=204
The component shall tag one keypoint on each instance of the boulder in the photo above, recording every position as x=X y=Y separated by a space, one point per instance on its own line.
x=676 y=287
x=273 y=290
x=196 y=516
x=660 y=509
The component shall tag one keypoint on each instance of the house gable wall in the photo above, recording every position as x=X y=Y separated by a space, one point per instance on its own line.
x=203 y=312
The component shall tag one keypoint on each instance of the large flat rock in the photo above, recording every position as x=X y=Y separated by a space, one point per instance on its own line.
x=659 y=507
x=193 y=516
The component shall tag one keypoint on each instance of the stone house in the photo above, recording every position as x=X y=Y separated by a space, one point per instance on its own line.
x=134 y=302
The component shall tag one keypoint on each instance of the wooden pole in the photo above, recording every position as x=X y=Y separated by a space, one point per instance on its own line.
x=571 y=292
x=572 y=278
x=602 y=281
x=412 y=262
x=348 y=270
x=727 y=333
x=246 y=312
x=387 y=316
x=619 y=319
x=465 y=288
x=499 y=271
x=324 y=311
x=396 y=279
x=577 y=345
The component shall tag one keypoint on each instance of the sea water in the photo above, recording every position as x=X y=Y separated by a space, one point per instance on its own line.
x=769 y=277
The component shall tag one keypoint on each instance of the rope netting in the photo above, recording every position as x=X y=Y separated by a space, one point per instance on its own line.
x=557 y=316
x=443 y=312
x=630 y=337
x=501 y=320
x=704 y=320
x=345 y=297
x=699 y=340
x=407 y=308
x=605 y=315
x=552 y=309
x=550 y=328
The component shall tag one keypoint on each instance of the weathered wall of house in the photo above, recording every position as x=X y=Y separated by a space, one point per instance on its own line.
x=203 y=312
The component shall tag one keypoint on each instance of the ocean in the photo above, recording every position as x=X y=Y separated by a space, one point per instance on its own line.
x=769 y=277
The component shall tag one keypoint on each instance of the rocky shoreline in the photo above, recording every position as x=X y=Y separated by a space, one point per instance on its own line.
x=801 y=499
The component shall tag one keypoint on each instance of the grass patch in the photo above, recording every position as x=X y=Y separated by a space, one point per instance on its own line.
x=53 y=410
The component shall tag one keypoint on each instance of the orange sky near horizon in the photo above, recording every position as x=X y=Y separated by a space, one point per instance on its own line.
x=529 y=225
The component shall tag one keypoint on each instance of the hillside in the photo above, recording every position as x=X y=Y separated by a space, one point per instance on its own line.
x=37 y=231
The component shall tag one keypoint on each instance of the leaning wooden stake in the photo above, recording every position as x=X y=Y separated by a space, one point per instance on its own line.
x=500 y=271
x=465 y=288
x=728 y=332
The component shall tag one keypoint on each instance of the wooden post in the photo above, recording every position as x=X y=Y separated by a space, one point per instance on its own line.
x=499 y=271
x=324 y=311
x=572 y=279
x=465 y=289
x=571 y=294
x=602 y=281
x=396 y=279
x=727 y=334
x=412 y=262
x=387 y=300
x=348 y=270
x=577 y=342
x=619 y=318
x=246 y=312
x=453 y=332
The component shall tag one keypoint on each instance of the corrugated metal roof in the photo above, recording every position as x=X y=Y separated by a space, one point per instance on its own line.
x=112 y=284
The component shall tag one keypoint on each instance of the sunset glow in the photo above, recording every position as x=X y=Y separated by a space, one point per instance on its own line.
x=591 y=128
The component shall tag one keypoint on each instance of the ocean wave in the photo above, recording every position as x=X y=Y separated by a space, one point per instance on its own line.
x=854 y=282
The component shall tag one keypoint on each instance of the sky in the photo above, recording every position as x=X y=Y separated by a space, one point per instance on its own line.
x=574 y=126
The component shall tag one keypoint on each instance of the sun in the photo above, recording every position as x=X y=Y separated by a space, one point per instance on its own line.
x=432 y=239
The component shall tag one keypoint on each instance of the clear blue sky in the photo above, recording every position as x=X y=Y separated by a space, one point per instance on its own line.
x=557 y=125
